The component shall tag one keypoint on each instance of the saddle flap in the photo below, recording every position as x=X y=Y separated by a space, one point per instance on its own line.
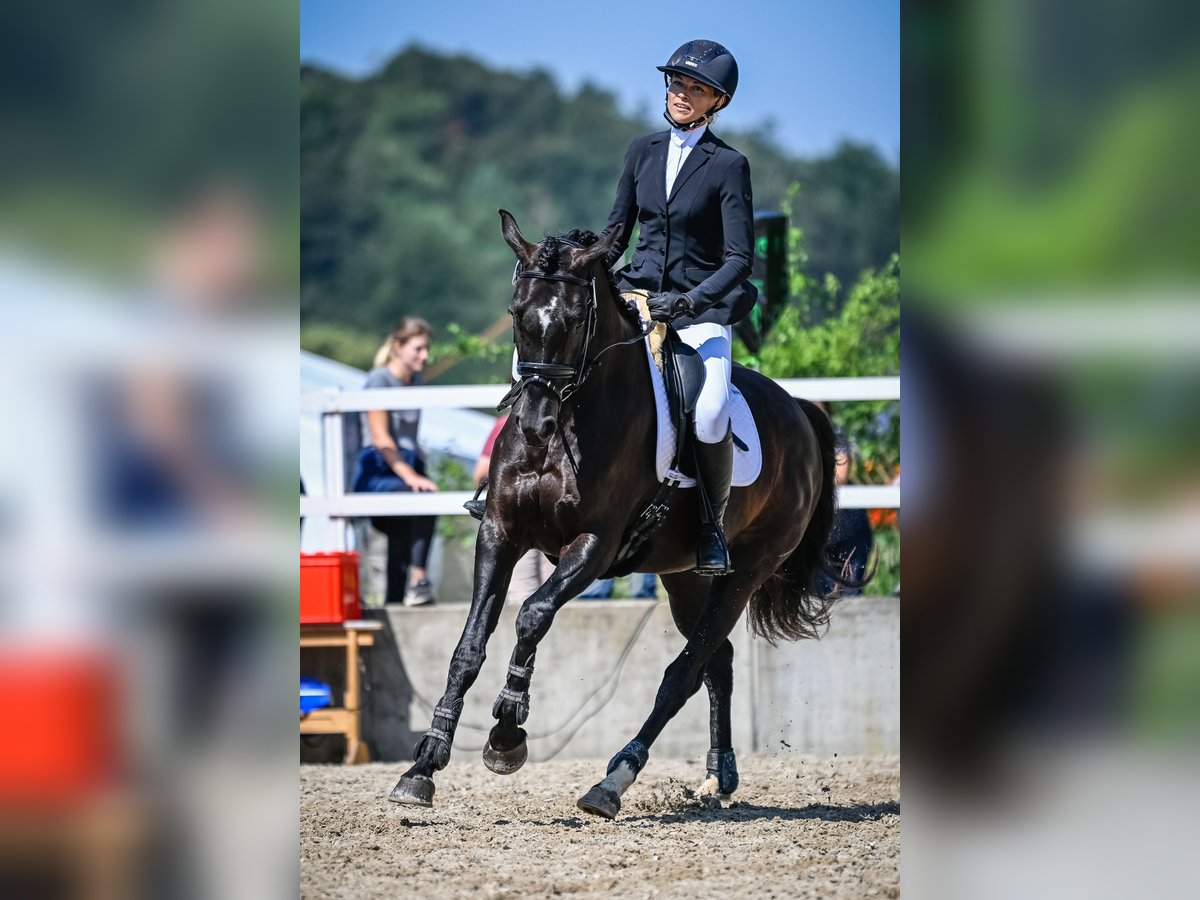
x=683 y=374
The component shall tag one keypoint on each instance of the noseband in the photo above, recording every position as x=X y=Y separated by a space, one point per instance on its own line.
x=542 y=373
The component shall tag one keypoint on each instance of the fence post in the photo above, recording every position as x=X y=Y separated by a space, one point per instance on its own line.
x=334 y=467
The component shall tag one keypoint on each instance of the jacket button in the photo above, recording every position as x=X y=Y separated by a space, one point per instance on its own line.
x=662 y=252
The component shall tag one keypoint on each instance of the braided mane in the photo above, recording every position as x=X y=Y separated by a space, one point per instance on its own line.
x=549 y=259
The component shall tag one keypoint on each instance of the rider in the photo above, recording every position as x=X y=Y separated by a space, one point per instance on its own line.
x=690 y=193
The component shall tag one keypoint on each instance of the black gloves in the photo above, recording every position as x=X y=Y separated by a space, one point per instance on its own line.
x=670 y=306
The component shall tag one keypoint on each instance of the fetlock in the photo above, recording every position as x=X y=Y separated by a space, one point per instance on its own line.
x=438 y=741
x=635 y=753
x=722 y=766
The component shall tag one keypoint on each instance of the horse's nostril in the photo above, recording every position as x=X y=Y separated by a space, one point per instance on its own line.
x=546 y=429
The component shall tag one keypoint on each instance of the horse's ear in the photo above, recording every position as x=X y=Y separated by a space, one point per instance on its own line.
x=583 y=258
x=512 y=235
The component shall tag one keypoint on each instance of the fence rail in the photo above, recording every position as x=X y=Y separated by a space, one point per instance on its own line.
x=331 y=404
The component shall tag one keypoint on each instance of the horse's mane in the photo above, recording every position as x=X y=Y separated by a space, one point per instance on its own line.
x=548 y=261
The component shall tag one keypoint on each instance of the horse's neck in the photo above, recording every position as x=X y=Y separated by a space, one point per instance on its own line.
x=616 y=378
x=611 y=325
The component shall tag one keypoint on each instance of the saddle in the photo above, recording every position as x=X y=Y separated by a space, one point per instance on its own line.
x=683 y=377
x=681 y=367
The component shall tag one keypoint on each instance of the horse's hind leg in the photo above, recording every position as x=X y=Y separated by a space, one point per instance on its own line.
x=681 y=680
x=494 y=560
x=722 y=777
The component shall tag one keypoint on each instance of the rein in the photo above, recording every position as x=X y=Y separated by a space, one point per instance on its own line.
x=541 y=373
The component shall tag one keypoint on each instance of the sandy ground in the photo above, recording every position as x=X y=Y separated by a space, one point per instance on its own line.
x=797 y=827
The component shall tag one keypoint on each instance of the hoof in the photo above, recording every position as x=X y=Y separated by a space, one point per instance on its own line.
x=505 y=762
x=600 y=801
x=413 y=790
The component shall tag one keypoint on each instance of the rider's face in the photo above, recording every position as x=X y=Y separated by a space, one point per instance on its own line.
x=689 y=99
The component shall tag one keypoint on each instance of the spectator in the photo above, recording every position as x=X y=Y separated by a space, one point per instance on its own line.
x=533 y=569
x=851 y=538
x=391 y=460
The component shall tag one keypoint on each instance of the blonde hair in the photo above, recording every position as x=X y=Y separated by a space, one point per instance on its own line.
x=408 y=328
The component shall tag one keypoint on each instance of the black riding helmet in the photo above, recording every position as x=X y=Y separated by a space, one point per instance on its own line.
x=708 y=62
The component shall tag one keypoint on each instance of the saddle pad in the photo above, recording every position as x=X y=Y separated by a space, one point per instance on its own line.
x=747 y=464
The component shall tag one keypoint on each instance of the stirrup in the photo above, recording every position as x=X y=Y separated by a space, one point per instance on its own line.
x=475 y=506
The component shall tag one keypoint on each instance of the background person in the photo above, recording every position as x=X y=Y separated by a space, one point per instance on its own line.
x=391 y=460
x=851 y=537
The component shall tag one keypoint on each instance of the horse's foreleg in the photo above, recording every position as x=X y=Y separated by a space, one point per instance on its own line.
x=722 y=777
x=494 y=560
x=681 y=680
x=580 y=564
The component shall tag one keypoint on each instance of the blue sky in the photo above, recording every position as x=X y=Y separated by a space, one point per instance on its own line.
x=820 y=70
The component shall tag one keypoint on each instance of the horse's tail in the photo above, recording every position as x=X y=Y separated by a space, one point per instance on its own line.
x=791 y=604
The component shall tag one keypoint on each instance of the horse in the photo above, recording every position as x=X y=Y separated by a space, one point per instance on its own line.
x=578 y=431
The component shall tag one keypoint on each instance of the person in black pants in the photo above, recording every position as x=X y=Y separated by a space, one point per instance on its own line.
x=391 y=460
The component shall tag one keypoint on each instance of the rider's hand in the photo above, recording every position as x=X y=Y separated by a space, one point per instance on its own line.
x=669 y=306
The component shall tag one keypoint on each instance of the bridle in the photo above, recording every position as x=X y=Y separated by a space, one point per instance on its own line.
x=542 y=373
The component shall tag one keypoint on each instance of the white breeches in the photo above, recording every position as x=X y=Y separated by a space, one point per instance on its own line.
x=715 y=345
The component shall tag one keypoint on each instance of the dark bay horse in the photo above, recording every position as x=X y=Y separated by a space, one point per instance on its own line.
x=573 y=468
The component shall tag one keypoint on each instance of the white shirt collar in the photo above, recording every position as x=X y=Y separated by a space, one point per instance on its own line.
x=687 y=139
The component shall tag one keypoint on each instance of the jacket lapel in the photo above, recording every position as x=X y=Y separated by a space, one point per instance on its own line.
x=700 y=154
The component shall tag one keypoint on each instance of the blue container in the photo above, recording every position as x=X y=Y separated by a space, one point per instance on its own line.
x=314 y=695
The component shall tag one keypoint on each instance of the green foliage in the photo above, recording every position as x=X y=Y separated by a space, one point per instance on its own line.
x=490 y=358
x=341 y=342
x=863 y=338
x=887 y=571
x=824 y=333
x=451 y=475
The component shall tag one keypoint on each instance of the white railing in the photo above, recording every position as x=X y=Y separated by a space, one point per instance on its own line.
x=332 y=404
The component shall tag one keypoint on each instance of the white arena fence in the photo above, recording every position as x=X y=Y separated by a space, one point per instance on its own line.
x=332 y=404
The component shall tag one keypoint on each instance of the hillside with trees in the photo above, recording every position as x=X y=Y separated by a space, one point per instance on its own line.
x=402 y=173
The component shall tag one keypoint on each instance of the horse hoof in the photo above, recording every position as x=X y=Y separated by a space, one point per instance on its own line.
x=413 y=790
x=505 y=762
x=600 y=801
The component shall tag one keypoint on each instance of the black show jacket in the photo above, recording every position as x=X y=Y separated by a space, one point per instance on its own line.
x=700 y=241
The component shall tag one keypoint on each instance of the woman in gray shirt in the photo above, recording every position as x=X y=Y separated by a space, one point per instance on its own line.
x=391 y=460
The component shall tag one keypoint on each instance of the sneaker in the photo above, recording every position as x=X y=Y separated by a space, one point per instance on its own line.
x=419 y=594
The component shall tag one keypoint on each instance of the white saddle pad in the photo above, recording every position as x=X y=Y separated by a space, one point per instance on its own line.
x=747 y=464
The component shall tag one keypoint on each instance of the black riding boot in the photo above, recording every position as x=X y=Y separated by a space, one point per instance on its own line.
x=714 y=463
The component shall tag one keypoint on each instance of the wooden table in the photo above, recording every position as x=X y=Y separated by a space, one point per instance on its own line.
x=346 y=719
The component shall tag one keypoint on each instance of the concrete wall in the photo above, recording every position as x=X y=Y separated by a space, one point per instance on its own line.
x=599 y=668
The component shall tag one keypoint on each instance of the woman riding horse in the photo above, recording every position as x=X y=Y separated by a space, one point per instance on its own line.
x=573 y=473
x=690 y=192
